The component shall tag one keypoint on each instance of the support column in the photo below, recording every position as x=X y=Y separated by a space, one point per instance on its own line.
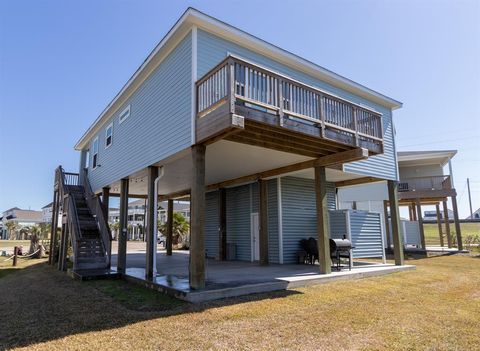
x=197 y=213
x=152 y=174
x=62 y=262
x=447 y=224
x=414 y=212
x=122 y=231
x=222 y=229
x=322 y=220
x=263 y=219
x=420 y=224
x=105 y=201
x=53 y=229
x=439 y=222
x=458 y=231
x=387 y=224
x=395 y=218
x=169 y=241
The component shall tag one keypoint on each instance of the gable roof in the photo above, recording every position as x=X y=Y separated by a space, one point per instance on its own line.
x=192 y=17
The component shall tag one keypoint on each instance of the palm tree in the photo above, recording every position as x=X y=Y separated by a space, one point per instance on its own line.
x=114 y=227
x=12 y=228
x=180 y=229
x=45 y=229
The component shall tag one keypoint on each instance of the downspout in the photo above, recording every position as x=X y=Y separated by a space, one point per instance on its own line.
x=155 y=219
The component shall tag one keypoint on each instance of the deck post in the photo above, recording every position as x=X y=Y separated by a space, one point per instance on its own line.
x=458 y=230
x=395 y=218
x=152 y=174
x=169 y=239
x=105 y=201
x=222 y=229
x=322 y=220
x=197 y=216
x=420 y=224
x=53 y=229
x=122 y=235
x=439 y=222
x=447 y=224
x=263 y=221
x=387 y=224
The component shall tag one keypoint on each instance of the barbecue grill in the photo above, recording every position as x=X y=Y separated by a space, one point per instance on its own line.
x=340 y=248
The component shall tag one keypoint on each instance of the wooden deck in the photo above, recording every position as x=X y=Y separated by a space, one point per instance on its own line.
x=428 y=189
x=243 y=102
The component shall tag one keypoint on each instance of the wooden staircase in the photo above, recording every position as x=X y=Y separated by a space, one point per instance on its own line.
x=84 y=224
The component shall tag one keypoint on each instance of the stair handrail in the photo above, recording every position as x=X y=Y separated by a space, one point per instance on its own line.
x=70 y=208
x=96 y=206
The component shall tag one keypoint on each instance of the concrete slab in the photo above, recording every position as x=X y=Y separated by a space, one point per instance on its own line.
x=235 y=278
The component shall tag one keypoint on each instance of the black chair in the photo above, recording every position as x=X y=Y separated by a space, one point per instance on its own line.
x=312 y=250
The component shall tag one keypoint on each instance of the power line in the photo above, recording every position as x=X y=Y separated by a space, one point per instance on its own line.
x=441 y=141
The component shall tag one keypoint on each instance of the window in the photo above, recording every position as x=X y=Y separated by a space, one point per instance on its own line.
x=124 y=114
x=95 y=153
x=108 y=135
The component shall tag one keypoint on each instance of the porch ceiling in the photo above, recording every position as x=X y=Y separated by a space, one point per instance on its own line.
x=225 y=160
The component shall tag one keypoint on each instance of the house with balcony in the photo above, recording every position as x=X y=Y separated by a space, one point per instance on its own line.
x=426 y=179
x=256 y=138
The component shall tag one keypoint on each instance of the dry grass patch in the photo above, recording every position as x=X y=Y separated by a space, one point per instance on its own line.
x=433 y=307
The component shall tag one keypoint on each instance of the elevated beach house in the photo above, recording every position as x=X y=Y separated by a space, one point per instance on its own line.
x=257 y=138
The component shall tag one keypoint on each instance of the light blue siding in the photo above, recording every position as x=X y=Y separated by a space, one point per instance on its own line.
x=365 y=231
x=241 y=203
x=299 y=213
x=213 y=49
x=212 y=223
x=159 y=124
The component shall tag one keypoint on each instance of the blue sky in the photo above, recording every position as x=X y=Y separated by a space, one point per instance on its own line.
x=61 y=63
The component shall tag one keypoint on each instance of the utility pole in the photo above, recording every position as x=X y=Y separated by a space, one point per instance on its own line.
x=469 y=198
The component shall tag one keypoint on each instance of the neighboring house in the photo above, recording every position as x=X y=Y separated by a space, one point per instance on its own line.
x=23 y=218
x=136 y=216
x=256 y=137
x=475 y=215
x=47 y=213
x=431 y=216
x=423 y=181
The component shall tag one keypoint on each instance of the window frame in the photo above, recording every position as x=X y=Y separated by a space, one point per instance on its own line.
x=125 y=113
x=110 y=126
x=94 y=153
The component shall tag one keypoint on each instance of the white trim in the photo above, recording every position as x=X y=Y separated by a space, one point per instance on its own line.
x=106 y=136
x=122 y=116
x=280 y=221
x=95 y=164
x=194 y=79
x=252 y=235
x=219 y=28
x=349 y=235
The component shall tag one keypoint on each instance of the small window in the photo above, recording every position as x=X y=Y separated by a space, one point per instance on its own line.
x=124 y=114
x=95 y=153
x=109 y=135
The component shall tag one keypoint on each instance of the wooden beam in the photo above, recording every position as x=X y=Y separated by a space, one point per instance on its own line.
x=420 y=224
x=152 y=174
x=197 y=213
x=263 y=219
x=439 y=223
x=105 y=201
x=363 y=180
x=169 y=241
x=447 y=224
x=122 y=231
x=395 y=218
x=458 y=231
x=387 y=223
x=322 y=220
x=175 y=195
x=222 y=229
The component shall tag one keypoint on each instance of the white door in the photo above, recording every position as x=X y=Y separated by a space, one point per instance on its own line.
x=255 y=233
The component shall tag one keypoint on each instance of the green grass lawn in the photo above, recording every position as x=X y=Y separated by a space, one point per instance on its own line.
x=435 y=307
x=432 y=237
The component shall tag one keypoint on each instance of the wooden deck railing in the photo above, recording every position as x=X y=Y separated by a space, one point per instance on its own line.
x=425 y=183
x=236 y=80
